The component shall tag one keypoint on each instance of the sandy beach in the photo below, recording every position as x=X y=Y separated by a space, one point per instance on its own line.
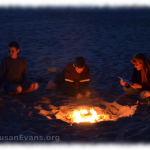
x=52 y=38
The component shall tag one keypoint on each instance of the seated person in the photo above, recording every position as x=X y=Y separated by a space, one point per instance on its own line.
x=140 y=78
x=13 y=72
x=74 y=79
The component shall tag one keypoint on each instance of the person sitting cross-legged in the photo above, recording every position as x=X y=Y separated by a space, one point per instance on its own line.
x=140 y=78
x=13 y=72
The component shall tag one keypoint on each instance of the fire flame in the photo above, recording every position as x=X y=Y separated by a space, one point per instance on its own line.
x=84 y=115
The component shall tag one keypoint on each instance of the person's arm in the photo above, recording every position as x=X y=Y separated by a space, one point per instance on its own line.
x=2 y=72
x=70 y=88
x=24 y=73
x=136 y=86
x=123 y=83
x=136 y=77
x=84 y=82
x=145 y=86
x=83 y=86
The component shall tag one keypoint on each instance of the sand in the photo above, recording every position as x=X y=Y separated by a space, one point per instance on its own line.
x=52 y=38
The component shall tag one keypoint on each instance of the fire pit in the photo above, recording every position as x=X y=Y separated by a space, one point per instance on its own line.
x=83 y=115
x=87 y=111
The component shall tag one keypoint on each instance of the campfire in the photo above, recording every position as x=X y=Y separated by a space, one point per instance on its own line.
x=84 y=115
x=76 y=112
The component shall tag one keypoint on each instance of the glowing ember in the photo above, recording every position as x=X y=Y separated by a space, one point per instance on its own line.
x=86 y=116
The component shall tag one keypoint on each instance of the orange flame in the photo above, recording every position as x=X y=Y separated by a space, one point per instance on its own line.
x=86 y=116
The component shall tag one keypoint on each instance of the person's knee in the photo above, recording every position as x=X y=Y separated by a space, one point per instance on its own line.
x=18 y=89
x=132 y=91
x=147 y=99
x=128 y=91
x=125 y=89
x=34 y=86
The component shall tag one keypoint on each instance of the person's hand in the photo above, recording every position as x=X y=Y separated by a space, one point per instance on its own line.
x=87 y=94
x=123 y=83
x=136 y=86
x=147 y=94
x=50 y=85
x=79 y=96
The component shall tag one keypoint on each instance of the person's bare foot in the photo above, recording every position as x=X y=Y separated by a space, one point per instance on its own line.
x=11 y=93
x=50 y=85
x=127 y=94
x=33 y=87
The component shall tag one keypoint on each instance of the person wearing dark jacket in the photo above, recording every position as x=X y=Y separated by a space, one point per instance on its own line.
x=140 y=78
x=77 y=77
x=13 y=72
x=74 y=79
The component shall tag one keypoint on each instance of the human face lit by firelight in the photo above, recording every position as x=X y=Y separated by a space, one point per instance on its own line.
x=12 y=51
x=138 y=66
x=79 y=70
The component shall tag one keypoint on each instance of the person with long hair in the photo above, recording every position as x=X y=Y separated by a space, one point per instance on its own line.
x=140 y=78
